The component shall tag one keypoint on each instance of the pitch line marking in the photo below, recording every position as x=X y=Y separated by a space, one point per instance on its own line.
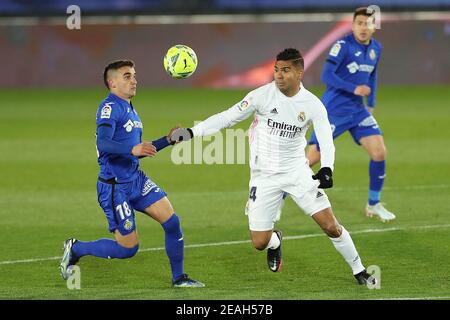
x=414 y=298
x=334 y=189
x=228 y=243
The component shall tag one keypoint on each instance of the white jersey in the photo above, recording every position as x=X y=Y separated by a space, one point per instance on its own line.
x=277 y=133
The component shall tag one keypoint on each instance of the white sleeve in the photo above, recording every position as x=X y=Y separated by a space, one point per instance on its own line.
x=324 y=135
x=228 y=118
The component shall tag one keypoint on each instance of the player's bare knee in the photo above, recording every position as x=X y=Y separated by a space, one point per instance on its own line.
x=260 y=239
x=333 y=230
x=128 y=241
x=259 y=243
x=378 y=154
x=384 y=152
x=161 y=210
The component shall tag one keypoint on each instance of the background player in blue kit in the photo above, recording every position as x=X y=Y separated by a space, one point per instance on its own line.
x=350 y=73
x=122 y=187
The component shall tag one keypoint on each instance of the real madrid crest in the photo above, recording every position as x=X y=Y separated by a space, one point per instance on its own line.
x=372 y=54
x=301 y=116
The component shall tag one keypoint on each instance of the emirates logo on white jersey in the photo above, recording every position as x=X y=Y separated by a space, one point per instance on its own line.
x=283 y=129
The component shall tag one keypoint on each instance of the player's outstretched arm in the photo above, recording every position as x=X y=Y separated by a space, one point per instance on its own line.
x=163 y=142
x=225 y=119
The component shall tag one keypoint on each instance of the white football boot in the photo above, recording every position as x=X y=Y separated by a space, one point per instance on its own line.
x=67 y=260
x=380 y=212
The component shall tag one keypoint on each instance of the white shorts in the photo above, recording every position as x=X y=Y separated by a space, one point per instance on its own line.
x=266 y=196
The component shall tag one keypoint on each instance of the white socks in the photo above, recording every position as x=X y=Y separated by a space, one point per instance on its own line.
x=274 y=242
x=344 y=244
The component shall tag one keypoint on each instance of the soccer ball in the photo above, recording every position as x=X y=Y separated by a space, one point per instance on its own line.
x=180 y=61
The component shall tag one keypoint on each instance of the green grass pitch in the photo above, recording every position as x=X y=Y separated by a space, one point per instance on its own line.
x=48 y=193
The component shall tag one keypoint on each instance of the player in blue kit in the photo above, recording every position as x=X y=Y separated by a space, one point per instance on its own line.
x=122 y=187
x=350 y=73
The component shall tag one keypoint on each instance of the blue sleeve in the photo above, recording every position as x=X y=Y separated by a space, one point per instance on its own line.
x=373 y=87
x=161 y=143
x=337 y=52
x=373 y=78
x=330 y=78
x=105 y=133
x=335 y=58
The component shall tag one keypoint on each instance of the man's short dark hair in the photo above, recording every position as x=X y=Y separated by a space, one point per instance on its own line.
x=363 y=11
x=114 y=66
x=291 y=54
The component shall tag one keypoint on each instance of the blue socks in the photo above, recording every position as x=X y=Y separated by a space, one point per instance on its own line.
x=110 y=249
x=103 y=248
x=377 y=172
x=174 y=245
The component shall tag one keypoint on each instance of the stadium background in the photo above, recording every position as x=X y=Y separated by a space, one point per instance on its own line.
x=50 y=88
x=47 y=54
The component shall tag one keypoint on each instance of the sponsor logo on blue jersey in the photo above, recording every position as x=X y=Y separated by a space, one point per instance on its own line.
x=354 y=67
x=129 y=125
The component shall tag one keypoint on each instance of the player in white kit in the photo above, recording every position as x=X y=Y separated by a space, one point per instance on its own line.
x=283 y=111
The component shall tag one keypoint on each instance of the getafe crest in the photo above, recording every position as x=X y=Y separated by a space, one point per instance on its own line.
x=372 y=54
x=128 y=224
x=301 y=116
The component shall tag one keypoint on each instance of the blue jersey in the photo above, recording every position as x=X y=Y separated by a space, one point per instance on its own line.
x=118 y=114
x=350 y=64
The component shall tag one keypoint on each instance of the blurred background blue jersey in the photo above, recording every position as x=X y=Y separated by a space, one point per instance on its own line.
x=348 y=65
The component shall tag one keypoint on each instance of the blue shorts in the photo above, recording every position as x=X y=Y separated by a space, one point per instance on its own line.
x=360 y=125
x=118 y=201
